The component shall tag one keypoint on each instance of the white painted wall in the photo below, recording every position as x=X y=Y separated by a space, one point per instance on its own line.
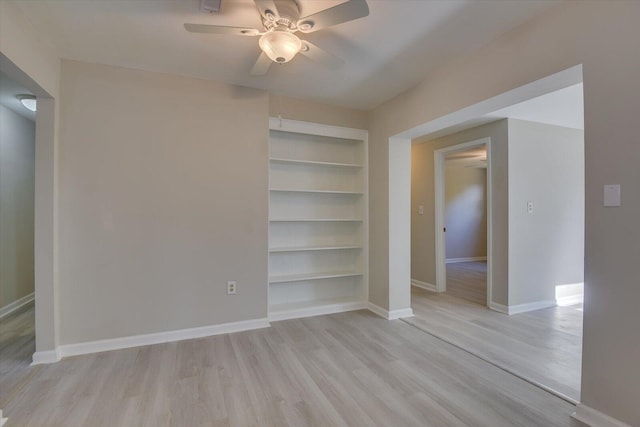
x=546 y=247
x=465 y=212
x=17 y=182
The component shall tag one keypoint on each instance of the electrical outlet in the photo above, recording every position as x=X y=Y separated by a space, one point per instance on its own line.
x=232 y=287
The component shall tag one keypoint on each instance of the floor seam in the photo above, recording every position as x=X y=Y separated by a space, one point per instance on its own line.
x=497 y=365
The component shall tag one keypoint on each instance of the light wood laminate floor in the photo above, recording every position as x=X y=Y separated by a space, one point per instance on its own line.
x=542 y=346
x=468 y=280
x=349 y=369
x=17 y=345
x=352 y=369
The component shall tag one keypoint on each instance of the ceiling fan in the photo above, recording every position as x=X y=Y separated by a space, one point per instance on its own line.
x=281 y=20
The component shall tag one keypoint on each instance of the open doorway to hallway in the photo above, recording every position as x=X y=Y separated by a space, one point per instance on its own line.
x=17 y=232
x=535 y=243
x=465 y=223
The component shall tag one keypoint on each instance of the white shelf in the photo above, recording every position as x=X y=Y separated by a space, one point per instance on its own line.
x=315 y=163
x=315 y=220
x=318 y=243
x=311 y=276
x=315 y=308
x=292 y=190
x=312 y=248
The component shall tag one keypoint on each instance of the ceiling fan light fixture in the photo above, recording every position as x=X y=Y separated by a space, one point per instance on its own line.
x=280 y=46
x=29 y=102
x=305 y=26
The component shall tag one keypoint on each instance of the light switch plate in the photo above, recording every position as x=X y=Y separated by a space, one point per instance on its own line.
x=612 y=195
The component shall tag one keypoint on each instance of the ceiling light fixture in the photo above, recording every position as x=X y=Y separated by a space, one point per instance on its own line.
x=280 y=45
x=29 y=102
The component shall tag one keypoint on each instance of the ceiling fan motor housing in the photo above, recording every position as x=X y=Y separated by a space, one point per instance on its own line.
x=287 y=15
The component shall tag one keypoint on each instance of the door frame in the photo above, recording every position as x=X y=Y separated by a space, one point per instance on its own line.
x=439 y=203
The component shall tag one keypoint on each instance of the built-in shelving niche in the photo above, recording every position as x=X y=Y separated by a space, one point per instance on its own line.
x=318 y=251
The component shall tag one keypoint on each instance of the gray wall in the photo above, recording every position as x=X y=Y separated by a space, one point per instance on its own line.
x=423 y=252
x=546 y=247
x=602 y=36
x=17 y=174
x=465 y=198
x=163 y=199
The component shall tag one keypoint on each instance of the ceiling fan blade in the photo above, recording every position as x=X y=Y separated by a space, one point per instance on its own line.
x=265 y=7
x=344 y=12
x=262 y=65
x=220 y=29
x=320 y=56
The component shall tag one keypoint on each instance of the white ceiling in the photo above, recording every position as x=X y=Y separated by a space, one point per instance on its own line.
x=385 y=53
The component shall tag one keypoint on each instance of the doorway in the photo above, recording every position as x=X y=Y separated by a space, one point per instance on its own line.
x=17 y=222
x=489 y=332
x=463 y=220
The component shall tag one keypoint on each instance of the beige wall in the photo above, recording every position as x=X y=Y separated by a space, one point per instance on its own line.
x=465 y=198
x=423 y=254
x=603 y=36
x=17 y=178
x=163 y=199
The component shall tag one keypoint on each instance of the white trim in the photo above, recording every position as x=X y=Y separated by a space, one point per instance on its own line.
x=570 y=300
x=296 y=313
x=423 y=285
x=16 y=305
x=146 y=339
x=498 y=307
x=2 y=419
x=390 y=315
x=45 y=357
x=531 y=306
x=569 y=294
x=521 y=308
x=467 y=259
x=466 y=116
x=595 y=418
x=309 y=128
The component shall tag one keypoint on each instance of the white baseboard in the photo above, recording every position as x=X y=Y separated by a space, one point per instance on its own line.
x=390 y=315
x=468 y=259
x=570 y=300
x=45 y=357
x=594 y=418
x=146 y=339
x=499 y=307
x=16 y=305
x=521 y=308
x=424 y=285
x=316 y=311
x=569 y=294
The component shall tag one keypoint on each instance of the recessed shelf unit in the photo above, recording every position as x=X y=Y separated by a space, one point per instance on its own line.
x=318 y=240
